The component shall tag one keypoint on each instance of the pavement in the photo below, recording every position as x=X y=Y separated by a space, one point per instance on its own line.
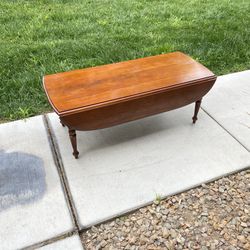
x=47 y=197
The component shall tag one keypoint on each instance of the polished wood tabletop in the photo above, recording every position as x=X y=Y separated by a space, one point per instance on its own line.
x=90 y=88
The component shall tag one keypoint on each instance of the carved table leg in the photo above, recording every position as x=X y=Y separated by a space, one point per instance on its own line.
x=196 y=110
x=62 y=123
x=72 y=135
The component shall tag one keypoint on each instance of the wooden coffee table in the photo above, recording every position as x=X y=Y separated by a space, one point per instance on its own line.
x=104 y=96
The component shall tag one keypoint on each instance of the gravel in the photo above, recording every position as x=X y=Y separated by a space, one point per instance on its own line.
x=212 y=216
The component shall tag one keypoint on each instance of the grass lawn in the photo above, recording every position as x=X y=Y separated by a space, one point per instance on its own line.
x=42 y=37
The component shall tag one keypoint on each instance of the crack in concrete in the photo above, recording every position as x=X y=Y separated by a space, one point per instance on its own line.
x=226 y=130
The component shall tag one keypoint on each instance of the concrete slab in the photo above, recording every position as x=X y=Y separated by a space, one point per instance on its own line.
x=229 y=104
x=127 y=166
x=32 y=203
x=72 y=243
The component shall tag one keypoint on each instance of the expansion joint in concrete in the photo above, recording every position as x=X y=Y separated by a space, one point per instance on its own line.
x=49 y=241
x=63 y=178
x=225 y=129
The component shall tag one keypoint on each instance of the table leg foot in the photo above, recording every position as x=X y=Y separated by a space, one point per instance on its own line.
x=72 y=136
x=196 y=110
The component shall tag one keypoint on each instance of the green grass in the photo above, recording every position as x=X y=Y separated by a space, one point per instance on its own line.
x=43 y=37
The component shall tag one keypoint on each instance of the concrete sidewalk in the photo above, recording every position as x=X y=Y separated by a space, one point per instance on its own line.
x=47 y=197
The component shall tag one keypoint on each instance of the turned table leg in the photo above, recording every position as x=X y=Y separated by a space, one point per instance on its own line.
x=196 y=110
x=72 y=136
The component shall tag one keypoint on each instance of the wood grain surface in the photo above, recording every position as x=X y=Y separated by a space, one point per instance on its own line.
x=91 y=88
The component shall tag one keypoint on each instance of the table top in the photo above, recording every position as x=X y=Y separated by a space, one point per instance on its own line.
x=85 y=89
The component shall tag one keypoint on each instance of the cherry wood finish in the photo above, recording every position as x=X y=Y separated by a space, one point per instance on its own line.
x=72 y=136
x=196 y=110
x=85 y=89
x=108 y=95
x=135 y=109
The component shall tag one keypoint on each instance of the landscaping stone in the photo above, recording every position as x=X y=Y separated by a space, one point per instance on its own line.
x=32 y=203
x=197 y=219
x=229 y=104
x=72 y=243
x=128 y=166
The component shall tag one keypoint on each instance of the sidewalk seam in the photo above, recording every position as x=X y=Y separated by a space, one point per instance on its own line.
x=51 y=240
x=58 y=162
x=226 y=130
x=63 y=178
